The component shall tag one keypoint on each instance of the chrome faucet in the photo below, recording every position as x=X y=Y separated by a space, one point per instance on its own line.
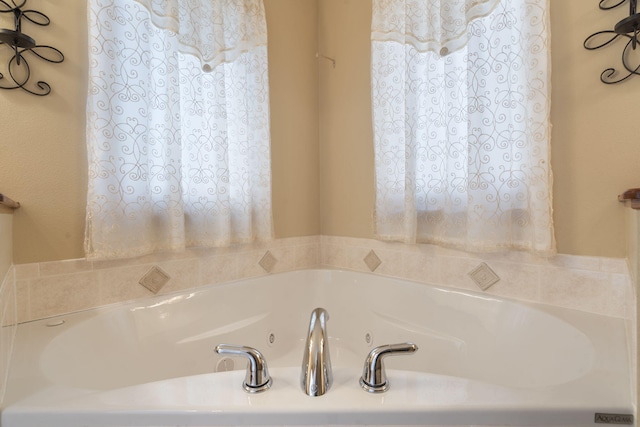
x=316 y=376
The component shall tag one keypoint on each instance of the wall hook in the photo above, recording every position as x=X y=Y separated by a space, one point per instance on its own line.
x=333 y=61
x=20 y=44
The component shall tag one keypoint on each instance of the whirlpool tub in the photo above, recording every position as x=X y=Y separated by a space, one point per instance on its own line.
x=480 y=360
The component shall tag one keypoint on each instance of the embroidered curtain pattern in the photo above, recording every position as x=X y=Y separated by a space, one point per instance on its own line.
x=434 y=25
x=177 y=126
x=461 y=131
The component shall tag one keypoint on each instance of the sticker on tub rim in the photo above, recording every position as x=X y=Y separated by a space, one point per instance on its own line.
x=626 y=419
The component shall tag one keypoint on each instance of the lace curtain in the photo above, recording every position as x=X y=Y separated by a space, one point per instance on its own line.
x=462 y=129
x=435 y=25
x=177 y=126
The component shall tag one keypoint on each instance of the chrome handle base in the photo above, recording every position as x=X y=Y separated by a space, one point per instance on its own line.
x=374 y=378
x=257 y=378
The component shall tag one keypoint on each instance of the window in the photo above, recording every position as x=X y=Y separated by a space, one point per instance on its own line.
x=177 y=126
x=461 y=132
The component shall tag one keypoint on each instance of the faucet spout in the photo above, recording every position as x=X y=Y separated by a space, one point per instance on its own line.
x=316 y=376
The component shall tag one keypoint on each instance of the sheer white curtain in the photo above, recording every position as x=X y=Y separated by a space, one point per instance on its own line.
x=177 y=126
x=461 y=124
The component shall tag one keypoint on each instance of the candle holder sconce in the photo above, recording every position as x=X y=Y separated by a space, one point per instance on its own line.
x=628 y=28
x=20 y=45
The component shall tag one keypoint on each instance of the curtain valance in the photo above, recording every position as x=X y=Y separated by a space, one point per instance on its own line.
x=213 y=31
x=436 y=25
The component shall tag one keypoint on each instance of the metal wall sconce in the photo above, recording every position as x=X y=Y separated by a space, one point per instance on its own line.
x=628 y=28
x=20 y=44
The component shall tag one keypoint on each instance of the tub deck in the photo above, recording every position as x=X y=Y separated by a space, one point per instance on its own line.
x=218 y=400
x=466 y=372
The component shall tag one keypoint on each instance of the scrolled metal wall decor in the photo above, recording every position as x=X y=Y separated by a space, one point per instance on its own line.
x=629 y=28
x=20 y=44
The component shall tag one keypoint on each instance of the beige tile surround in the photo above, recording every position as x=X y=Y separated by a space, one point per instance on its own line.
x=8 y=314
x=51 y=288
x=593 y=284
x=599 y=285
x=632 y=219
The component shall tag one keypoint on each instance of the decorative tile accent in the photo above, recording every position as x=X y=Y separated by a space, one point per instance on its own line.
x=484 y=276
x=268 y=262
x=154 y=279
x=372 y=261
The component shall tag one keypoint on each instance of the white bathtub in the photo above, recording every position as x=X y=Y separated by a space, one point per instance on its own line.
x=481 y=360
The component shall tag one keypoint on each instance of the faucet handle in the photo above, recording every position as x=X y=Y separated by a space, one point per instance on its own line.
x=257 y=378
x=374 y=379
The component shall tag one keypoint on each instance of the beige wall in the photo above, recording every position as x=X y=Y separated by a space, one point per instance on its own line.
x=346 y=150
x=293 y=79
x=42 y=151
x=321 y=130
x=595 y=145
